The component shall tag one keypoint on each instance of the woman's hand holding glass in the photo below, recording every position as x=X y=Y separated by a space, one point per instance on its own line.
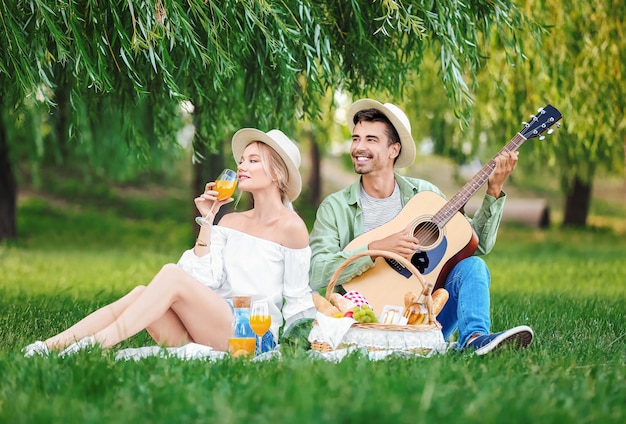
x=260 y=321
x=215 y=195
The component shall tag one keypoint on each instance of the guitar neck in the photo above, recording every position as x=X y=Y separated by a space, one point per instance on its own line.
x=455 y=204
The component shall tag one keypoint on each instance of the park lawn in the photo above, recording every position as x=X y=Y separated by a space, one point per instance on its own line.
x=567 y=285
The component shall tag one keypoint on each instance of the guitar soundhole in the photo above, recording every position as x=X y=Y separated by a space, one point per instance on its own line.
x=427 y=233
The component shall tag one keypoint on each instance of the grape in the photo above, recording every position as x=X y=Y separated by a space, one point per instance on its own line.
x=363 y=314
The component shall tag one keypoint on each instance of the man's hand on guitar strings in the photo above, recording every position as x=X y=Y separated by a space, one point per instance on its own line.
x=505 y=163
x=402 y=243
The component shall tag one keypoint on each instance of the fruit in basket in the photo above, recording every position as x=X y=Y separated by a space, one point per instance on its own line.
x=363 y=314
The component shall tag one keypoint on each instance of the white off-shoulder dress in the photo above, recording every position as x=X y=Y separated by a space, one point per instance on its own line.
x=241 y=264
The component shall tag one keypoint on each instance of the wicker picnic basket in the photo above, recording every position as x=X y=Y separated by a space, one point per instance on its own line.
x=420 y=338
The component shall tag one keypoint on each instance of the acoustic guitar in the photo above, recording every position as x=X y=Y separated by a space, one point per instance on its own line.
x=445 y=235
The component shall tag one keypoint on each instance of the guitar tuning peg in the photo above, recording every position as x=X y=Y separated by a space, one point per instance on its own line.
x=524 y=123
x=532 y=116
x=540 y=109
x=550 y=131
x=542 y=137
x=558 y=125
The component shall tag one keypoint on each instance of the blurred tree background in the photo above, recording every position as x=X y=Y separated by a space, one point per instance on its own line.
x=108 y=89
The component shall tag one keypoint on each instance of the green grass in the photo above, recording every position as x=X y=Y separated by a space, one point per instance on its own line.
x=568 y=285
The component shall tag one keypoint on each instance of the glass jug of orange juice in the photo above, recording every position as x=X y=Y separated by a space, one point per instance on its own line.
x=243 y=341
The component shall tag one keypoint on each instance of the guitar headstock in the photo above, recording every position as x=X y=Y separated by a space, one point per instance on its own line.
x=545 y=118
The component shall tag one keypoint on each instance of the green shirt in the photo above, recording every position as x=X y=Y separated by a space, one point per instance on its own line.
x=339 y=221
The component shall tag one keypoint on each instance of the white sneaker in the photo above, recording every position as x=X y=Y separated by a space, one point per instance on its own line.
x=37 y=348
x=84 y=343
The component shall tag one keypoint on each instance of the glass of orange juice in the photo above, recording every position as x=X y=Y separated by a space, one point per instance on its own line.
x=260 y=321
x=225 y=185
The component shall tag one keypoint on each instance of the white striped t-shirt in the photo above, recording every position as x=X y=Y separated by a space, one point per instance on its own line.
x=377 y=212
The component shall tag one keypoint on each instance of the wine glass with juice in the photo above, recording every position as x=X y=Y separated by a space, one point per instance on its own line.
x=225 y=185
x=260 y=321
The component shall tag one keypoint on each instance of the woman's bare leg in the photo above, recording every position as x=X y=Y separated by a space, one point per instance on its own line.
x=169 y=331
x=95 y=321
x=205 y=316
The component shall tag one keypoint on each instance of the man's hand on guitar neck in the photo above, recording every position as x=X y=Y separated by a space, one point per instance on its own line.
x=505 y=163
x=401 y=243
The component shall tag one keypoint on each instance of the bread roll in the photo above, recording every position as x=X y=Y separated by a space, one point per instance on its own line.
x=440 y=297
x=344 y=305
x=409 y=299
x=324 y=306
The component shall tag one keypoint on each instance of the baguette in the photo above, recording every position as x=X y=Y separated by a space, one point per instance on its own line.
x=440 y=297
x=343 y=304
x=324 y=306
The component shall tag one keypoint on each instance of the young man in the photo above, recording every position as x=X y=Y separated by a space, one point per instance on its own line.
x=381 y=141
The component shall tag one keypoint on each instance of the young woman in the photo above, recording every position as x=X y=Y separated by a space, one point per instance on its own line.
x=262 y=252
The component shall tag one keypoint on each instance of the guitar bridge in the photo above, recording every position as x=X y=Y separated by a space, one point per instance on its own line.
x=398 y=267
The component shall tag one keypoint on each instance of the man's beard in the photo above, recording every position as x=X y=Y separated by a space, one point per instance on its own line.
x=361 y=168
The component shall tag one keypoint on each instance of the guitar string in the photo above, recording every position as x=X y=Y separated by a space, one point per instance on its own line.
x=432 y=229
x=429 y=229
x=426 y=231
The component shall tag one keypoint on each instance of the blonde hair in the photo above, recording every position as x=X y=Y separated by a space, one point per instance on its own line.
x=275 y=167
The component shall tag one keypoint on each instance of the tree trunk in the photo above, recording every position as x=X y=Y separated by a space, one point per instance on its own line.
x=315 y=179
x=204 y=171
x=8 y=189
x=577 y=202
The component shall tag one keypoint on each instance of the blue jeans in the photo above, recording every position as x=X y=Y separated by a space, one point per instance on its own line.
x=267 y=343
x=467 y=308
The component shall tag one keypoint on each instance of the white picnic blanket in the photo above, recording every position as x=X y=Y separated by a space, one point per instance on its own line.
x=188 y=352
x=193 y=351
